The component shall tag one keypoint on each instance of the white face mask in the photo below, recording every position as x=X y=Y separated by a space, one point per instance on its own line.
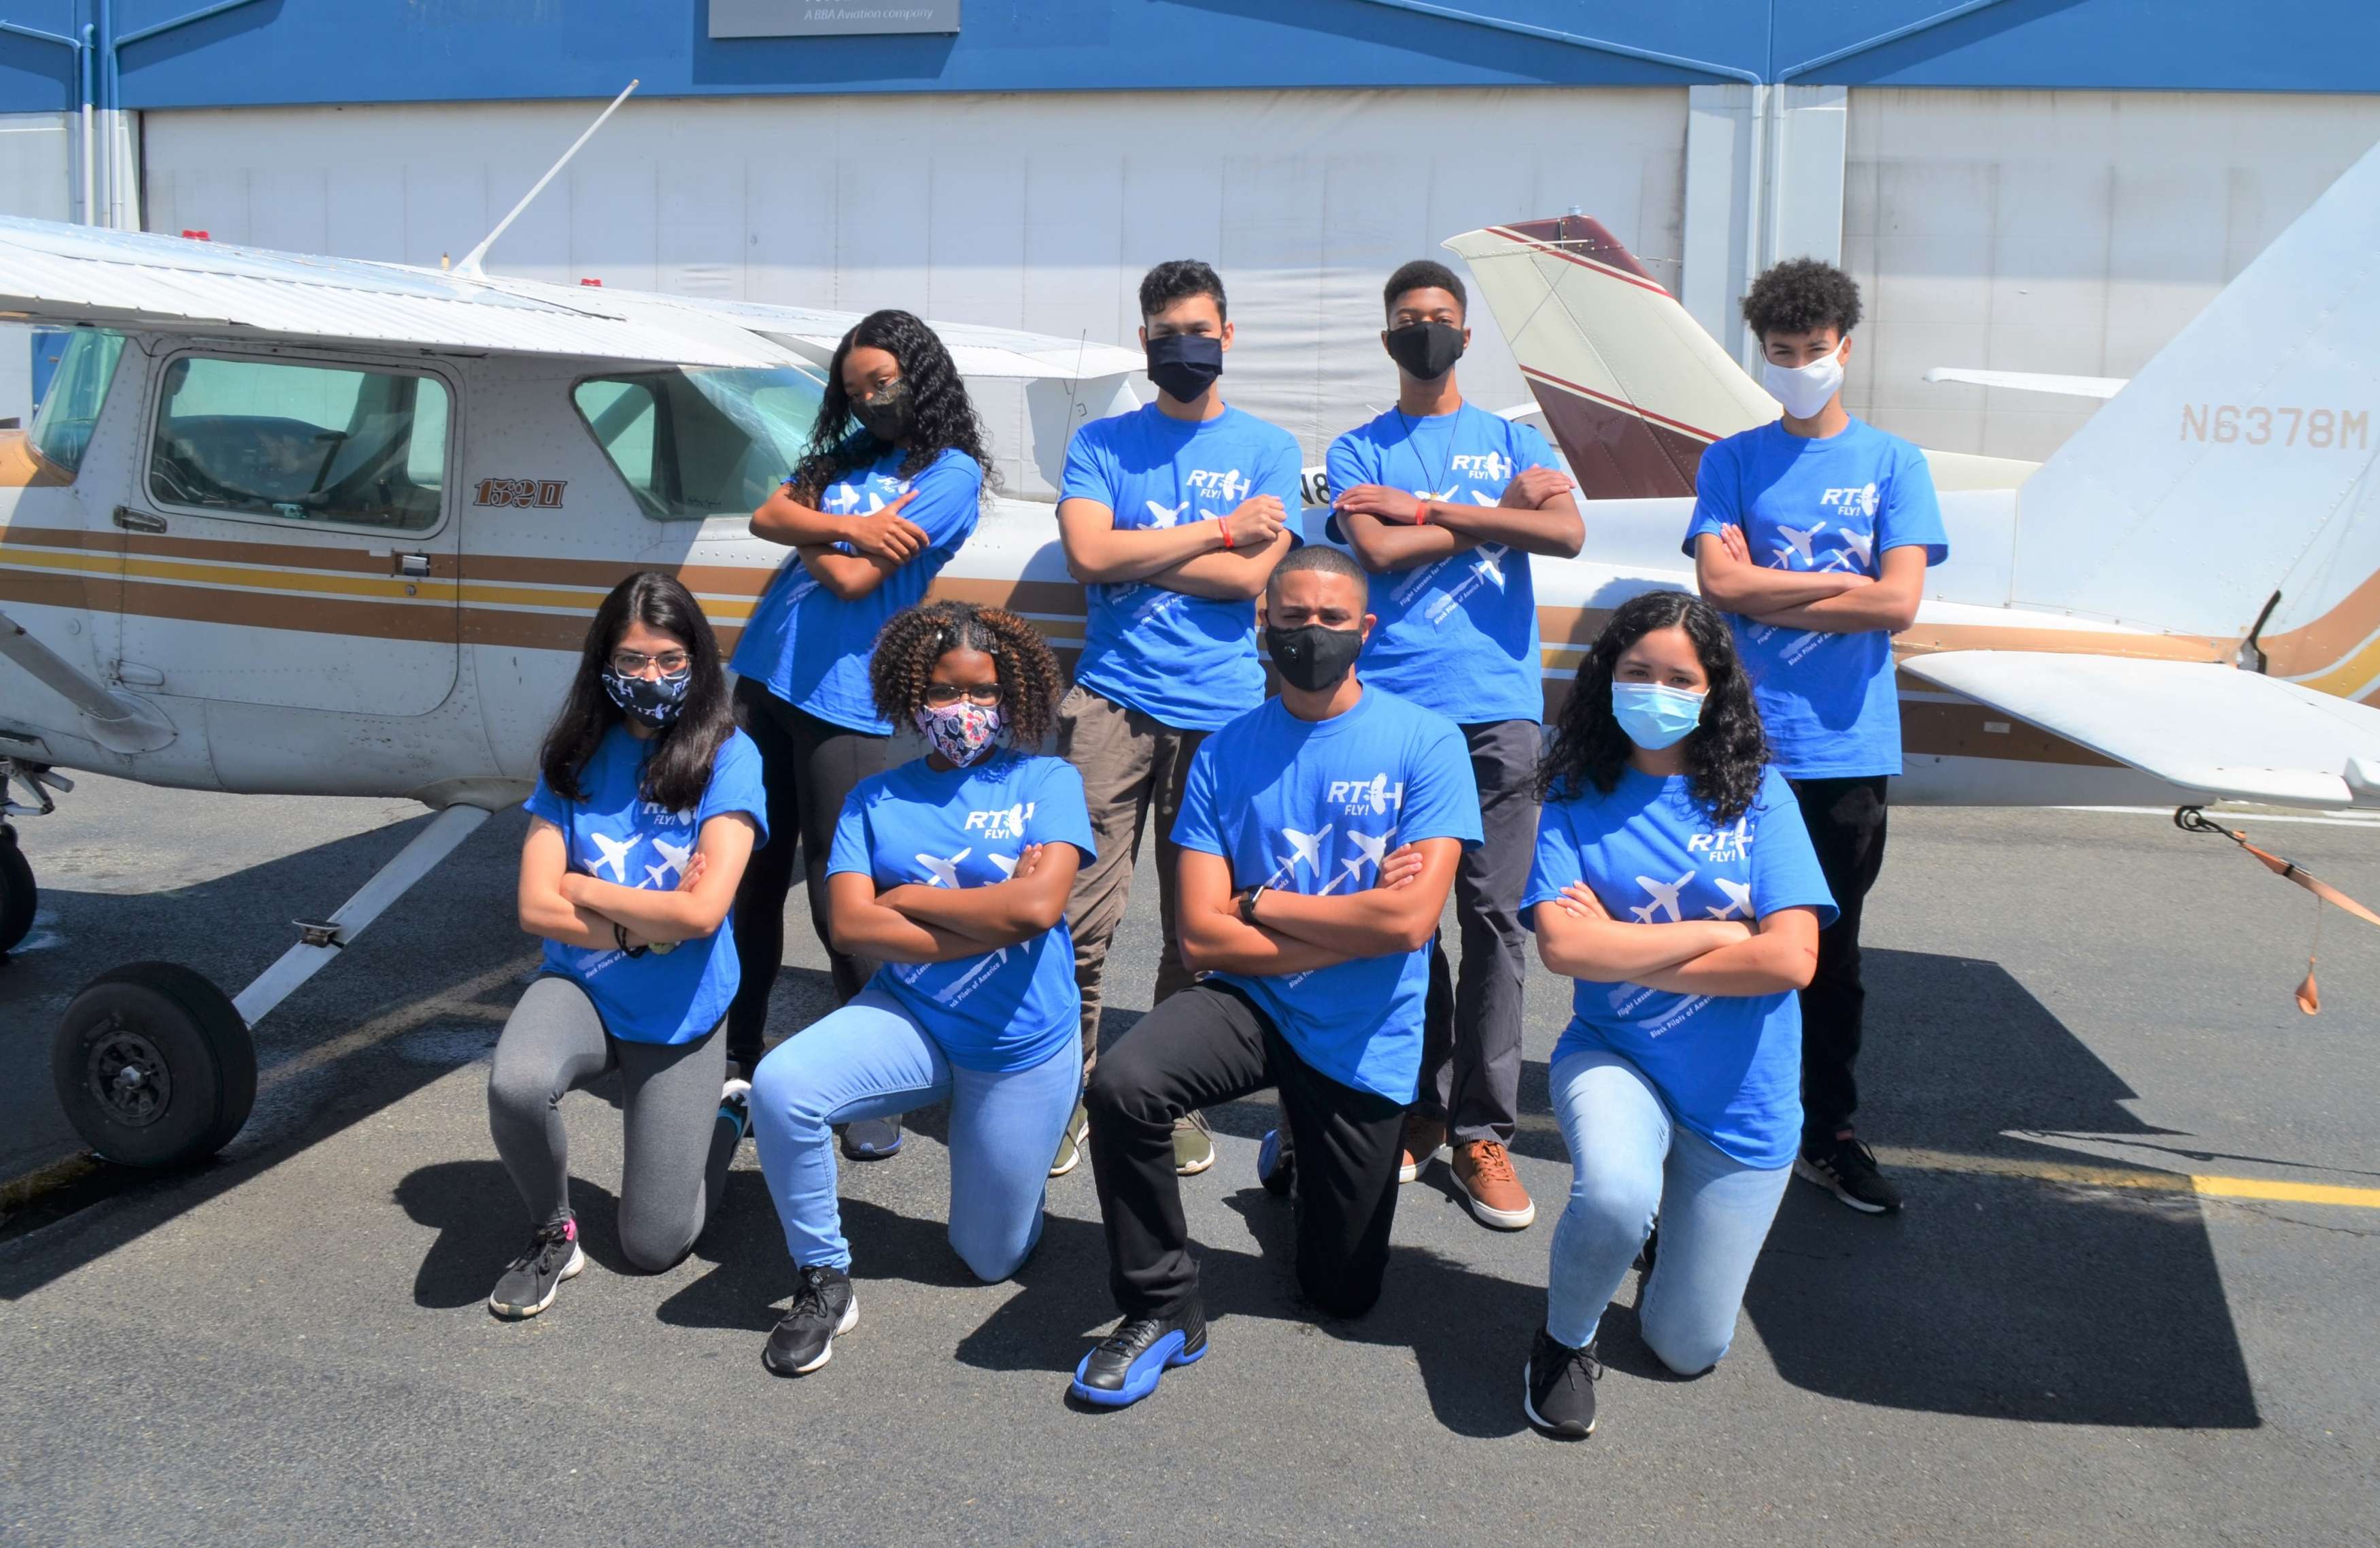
x=1803 y=390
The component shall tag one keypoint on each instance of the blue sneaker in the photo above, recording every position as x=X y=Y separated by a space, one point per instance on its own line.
x=1125 y=1368
x=872 y=1138
x=1275 y=1163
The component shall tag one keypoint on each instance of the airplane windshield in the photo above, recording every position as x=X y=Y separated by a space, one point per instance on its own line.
x=696 y=443
x=62 y=426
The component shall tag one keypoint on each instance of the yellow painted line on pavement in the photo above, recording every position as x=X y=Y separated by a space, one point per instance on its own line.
x=2084 y=1176
x=2287 y=1193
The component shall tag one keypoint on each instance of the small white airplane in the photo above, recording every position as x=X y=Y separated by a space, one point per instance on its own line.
x=1855 y=552
x=1485 y=565
x=1372 y=848
x=945 y=872
x=1306 y=846
x=1663 y=897
x=1798 y=540
x=673 y=863
x=1007 y=863
x=1739 y=900
x=1165 y=516
x=615 y=855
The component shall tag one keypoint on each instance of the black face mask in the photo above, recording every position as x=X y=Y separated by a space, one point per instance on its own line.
x=890 y=415
x=1426 y=350
x=1311 y=657
x=1184 y=365
x=650 y=701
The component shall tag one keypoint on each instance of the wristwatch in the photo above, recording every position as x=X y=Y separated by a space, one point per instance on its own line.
x=1248 y=904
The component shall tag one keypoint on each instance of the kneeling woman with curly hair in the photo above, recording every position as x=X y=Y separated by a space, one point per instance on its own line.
x=952 y=870
x=1675 y=882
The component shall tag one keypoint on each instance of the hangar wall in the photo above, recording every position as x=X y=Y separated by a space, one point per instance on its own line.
x=1037 y=211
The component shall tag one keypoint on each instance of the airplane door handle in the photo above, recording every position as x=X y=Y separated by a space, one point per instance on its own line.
x=137 y=522
x=413 y=567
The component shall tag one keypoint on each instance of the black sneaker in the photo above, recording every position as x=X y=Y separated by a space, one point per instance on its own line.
x=529 y=1284
x=1126 y=1367
x=804 y=1338
x=872 y=1138
x=1557 y=1387
x=1275 y=1163
x=1846 y=1168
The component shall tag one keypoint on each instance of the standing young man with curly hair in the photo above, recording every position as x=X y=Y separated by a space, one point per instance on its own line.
x=1814 y=533
x=1171 y=516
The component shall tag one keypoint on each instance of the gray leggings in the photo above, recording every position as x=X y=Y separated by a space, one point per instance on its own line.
x=677 y=1145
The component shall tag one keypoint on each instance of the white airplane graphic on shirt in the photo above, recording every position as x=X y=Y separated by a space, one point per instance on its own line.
x=1739 y=900
x=1798 y=540
x=946 y=873
x=1007 y=863
x=1307 y=847
x=1857 y=545
x=1486 y=567
x=1664 y=898
x=615 y=855
x=845 y=498
x=673 y=859
x=1165 y=516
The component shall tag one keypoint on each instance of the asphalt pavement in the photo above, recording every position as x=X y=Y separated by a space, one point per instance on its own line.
x=2064 y=1339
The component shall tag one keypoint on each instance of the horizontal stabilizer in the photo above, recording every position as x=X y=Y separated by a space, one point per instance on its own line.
x=2234 y=734
x=2032 y=381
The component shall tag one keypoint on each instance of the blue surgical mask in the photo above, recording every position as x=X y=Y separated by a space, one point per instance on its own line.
x=1655 y=716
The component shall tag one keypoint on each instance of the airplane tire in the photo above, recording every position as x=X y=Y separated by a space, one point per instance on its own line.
x=153 y=1066
x=19 y=897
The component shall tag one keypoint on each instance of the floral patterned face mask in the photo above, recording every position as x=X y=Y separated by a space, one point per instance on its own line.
x=961 y=732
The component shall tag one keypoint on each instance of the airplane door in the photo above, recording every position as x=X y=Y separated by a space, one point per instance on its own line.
x=290 y=535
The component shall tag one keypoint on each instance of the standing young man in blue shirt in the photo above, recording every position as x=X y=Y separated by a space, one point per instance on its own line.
x=1444 y=502
x=1814 y=532
x=1172 y=517
x=1319 y=835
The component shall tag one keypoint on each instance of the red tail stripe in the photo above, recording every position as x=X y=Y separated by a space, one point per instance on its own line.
x=1640 y=411
x=1620 y=275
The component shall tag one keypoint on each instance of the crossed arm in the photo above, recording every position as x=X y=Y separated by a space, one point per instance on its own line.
x=1192 y=558
x=576 y=909
x=880 y=542
x=1831 y=601
x=916 y=924
x=1390 y=529
x=1297 y=933
x=1577 y=939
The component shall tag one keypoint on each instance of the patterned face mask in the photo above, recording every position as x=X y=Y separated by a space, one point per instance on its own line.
x=653 y=702
x=961 y=732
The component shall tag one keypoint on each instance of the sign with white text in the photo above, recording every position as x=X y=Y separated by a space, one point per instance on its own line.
x=828 y=19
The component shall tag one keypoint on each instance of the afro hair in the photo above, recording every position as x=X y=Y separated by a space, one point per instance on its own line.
x=1800 y=296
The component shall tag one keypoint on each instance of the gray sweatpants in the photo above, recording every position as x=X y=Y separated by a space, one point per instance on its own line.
x=677 y=1146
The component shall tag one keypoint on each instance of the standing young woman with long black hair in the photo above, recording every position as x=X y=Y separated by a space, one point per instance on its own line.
x=648 y=806
x=1675 y=882
x=890 y=487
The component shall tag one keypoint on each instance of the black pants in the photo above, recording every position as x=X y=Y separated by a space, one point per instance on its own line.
x=808 y=766
x=1210 y=1044
x=1846 y=821
x=1471 y=1025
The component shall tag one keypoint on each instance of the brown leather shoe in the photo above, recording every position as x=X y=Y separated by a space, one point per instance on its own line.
x=1423 y=1139
x=1484 y=1174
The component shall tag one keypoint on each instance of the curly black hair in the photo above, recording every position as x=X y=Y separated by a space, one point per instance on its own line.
x=1176 y=279
x=1801 y=296
x=1424 y=273
x=1726 y=755
x=915 y=637
x=946 y=418
x=678 y=759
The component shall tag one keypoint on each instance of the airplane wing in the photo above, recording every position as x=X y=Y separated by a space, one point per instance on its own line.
x=2234 y=734
x=2032 y=381
x=66 y=275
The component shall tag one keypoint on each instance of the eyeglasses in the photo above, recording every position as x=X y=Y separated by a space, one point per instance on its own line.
x=943 y=695
x=632 y=664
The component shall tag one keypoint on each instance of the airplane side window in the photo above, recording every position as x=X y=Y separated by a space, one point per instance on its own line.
x=691 y=443
x=78 y=391
x=301 y=443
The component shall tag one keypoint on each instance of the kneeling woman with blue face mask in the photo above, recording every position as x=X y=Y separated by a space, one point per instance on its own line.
x=1675 y=882
x=952 y=870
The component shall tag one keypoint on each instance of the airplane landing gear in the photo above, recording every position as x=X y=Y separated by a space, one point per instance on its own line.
x=19 y=897
x=153 y=1067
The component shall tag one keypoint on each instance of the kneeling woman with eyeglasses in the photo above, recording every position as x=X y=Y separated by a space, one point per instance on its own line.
x=649 y=805
x=952 y=870
x=1675 y=882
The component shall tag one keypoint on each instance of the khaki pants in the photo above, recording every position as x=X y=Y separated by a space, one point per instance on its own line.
x=1129 y=763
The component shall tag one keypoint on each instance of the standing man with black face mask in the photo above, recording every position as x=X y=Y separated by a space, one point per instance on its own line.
x=1318 y=838
x=1444 y=502
x=1172 y=517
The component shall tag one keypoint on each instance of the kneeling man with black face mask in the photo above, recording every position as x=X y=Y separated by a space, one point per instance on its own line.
x=1319 y=834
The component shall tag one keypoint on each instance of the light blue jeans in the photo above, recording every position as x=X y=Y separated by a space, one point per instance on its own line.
x=871 y=1059
x=1630 y=1161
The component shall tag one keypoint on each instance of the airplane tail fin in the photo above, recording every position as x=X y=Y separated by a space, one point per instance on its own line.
x=1632 y=386
x=2228 y=490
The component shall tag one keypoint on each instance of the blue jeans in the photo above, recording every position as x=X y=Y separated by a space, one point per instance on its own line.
x=1630 y=1161
x=871 y=1059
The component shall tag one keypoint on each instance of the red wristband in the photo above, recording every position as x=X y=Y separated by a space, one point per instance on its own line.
x=1421 y=513
x=1225 y=526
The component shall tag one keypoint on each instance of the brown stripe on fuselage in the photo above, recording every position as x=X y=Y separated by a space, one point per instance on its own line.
x=2329 y=640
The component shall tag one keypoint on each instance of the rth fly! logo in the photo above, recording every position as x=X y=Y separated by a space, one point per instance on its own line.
x=1228 y=486
x=1008 y=823
x=1356 y=797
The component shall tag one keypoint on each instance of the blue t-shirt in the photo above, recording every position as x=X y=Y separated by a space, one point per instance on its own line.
x=1729 y=1065
x=1007 y=1010
x=616 y=835
x=1457 y=635
x=810 y=647
x=1189 y=662
x=1827 y=700
x=1312 y=807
